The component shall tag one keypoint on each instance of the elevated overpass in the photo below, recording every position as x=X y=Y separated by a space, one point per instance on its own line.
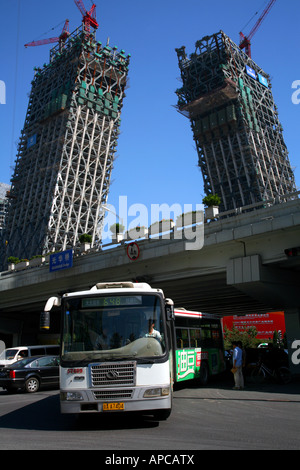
x=241 y=268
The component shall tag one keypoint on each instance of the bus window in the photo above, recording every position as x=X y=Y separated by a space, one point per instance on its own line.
x=217 y=338
x=206 y=340
x=182 y=338
x=195 y=338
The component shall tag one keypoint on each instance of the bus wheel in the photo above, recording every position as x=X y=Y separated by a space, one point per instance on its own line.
x=203 y=379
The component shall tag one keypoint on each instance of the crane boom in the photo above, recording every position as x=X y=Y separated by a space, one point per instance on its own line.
x=259 y=21
x=81 y=7
x=245 y=40
x=61 y=39
x=41 y=42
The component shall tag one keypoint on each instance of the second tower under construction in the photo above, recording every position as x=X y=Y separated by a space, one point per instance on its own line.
x=228 y=99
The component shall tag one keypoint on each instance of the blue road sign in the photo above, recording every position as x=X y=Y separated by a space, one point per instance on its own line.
x=62 y=260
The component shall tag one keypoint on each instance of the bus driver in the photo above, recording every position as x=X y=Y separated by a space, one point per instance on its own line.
x=152 y=333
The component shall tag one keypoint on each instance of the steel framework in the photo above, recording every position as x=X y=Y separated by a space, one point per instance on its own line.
x=67 y=147
x=239 y=140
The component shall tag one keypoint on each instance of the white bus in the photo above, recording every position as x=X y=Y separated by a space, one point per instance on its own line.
x=116 y=349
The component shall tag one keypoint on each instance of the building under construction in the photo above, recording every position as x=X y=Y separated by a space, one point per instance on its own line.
x=228 y=99
x=4 y=188
x=67 y=146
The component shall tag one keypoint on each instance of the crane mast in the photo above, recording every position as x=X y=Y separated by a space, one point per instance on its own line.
x=89 y=17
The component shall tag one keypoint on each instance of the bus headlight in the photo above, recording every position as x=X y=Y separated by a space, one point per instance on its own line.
x=71 y=396
x=156 y=392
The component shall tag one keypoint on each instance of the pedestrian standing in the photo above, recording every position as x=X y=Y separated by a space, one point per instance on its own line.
x=237 y=359
x=244 y=359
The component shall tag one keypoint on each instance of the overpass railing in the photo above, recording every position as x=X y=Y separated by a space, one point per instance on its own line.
x=168 y=234
x=260 y=205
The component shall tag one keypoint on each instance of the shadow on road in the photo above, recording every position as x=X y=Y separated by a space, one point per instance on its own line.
x=44 y=415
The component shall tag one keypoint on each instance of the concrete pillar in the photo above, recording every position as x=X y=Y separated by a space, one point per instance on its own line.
x=292 y=324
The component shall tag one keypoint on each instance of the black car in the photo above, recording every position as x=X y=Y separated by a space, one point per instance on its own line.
x=31 y=373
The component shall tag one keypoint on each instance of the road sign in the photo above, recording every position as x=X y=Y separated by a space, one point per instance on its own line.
x=133 y=251
x=62 y=260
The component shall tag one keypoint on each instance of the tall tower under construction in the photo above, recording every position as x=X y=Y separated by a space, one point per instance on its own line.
x=67 y=146
x=239 y=140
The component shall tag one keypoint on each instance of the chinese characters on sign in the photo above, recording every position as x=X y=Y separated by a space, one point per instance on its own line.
x=62 y=260
x=189 y=362
x=265 y=324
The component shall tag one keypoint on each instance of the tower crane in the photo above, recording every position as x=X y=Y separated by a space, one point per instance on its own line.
x=245 y=40
x=61 y=39
x=89 y=17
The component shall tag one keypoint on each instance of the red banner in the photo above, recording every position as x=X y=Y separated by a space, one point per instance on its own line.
x=265 y=324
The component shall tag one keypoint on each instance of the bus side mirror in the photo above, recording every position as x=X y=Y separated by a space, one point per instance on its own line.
x=170 y=310
x=45 y=315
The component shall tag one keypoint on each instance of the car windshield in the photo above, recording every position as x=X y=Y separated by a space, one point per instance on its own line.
x=113 y=327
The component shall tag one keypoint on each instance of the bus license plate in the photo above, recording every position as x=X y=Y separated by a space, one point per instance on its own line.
x=113 y=406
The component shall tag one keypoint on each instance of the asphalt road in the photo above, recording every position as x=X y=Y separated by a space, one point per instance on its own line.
x=209 y=418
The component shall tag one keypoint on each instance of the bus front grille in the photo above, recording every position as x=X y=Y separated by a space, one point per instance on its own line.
x=113 y=395
x=113 y=374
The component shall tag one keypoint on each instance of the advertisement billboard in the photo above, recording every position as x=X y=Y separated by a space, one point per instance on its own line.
x=265 y=324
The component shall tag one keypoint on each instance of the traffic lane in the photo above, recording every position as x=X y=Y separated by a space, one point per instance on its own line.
x=259 y=417
x=34 y=422
x=214 y=417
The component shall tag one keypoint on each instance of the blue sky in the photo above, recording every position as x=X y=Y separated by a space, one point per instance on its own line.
x=157 y=158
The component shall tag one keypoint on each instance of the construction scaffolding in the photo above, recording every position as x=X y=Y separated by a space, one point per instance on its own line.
x=239 y=140
x=67 y=147
x=4 y=188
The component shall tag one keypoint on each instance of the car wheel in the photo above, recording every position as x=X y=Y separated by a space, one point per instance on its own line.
x=32 y=385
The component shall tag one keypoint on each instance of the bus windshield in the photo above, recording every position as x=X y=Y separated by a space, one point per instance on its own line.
x=112 y=327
